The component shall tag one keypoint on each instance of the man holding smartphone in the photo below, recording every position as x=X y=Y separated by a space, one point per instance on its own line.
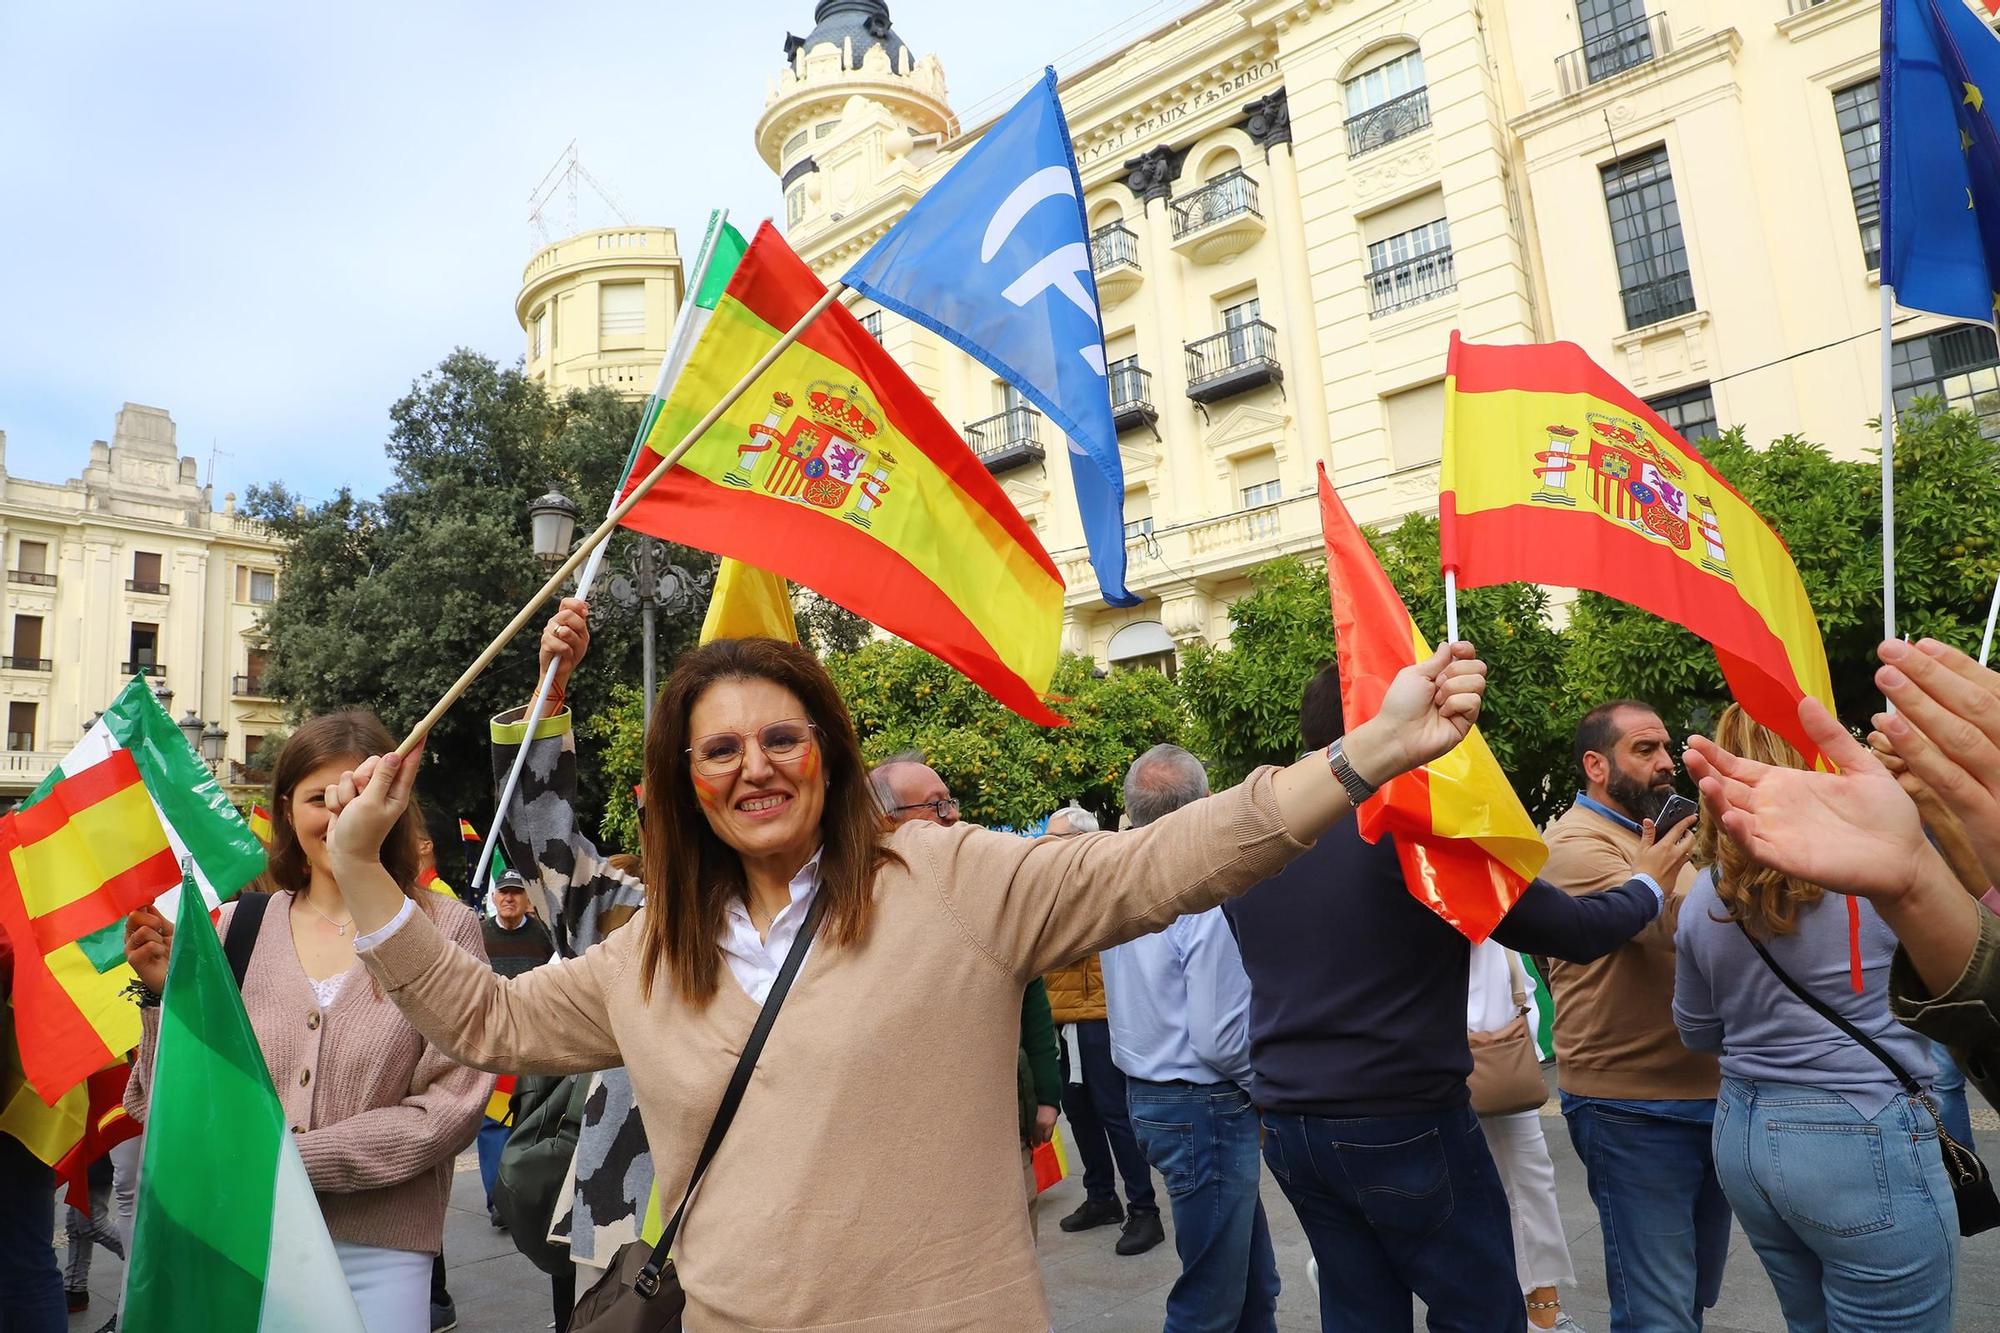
x=1640 y=1106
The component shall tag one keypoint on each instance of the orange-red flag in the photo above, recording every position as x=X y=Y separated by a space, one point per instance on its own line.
x=1466 y=843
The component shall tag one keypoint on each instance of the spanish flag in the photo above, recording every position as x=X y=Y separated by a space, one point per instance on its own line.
x=835 y=471
x=73 y=863
x=1556 y=473
x=466 y=831
x=260 y=824
x=1466 y=843
x=749 y=603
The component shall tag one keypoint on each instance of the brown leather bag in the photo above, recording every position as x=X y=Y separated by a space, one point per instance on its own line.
x=1506 y=1068
x=641 y=1292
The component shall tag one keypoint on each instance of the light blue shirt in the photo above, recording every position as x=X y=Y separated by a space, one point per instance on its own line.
x=1179 y=1003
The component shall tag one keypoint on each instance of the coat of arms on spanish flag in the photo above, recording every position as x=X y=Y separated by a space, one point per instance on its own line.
x=835 y=471
x=1556 y=473
x=1465 y=842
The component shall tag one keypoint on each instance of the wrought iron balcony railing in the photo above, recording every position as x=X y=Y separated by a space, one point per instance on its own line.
x=152 y=669
x=39 y=580
x=248 y=687
x=1232 y=361
x=144 y=585
x=1384 y=124
x=1417 y=279
x=1112 y=245
x=1007 y=439
x=1132 y=398
x=27 y=663
x=1228 y=195
x=1613 y=52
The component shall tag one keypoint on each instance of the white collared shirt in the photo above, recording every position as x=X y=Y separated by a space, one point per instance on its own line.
x=752 y=961
x=755 y=962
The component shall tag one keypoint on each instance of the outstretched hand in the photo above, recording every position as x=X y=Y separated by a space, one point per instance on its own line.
x=1428 y=710
x=366 y=803
x=1854 y=831
x=1946 y=730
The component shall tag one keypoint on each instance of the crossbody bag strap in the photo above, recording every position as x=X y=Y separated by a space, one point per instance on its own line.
x=1826 y=1011
x=1517 y=976
x=647 y=1284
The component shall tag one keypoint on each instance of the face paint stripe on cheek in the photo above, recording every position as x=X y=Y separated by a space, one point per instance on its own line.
x=707 y=792
x=809 y=765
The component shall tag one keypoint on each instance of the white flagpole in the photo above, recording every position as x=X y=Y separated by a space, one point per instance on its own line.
x=1889 y=469
x=1451 y=606
x=717 y=219
x=1992 y=615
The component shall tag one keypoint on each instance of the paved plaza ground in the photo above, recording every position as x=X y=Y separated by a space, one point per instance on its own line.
x=1092 y=1288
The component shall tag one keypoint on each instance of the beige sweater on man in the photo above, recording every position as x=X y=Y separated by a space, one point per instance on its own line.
x=1614 y=1028
x=378 y=1112
x=871 y=1182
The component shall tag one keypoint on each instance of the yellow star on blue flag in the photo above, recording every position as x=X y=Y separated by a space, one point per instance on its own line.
x=1940 y=159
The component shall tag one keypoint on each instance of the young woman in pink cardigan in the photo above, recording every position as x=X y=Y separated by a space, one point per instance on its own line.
x=378 y=1110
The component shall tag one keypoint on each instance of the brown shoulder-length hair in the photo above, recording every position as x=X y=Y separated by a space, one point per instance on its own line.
x=1762 y=899
x=351 y=737
x=691 y=874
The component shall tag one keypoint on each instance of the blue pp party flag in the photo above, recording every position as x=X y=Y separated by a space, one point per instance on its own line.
x=996 y=258
x=1940 y=159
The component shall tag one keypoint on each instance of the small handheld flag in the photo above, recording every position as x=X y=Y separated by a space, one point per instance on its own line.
x=996 y=258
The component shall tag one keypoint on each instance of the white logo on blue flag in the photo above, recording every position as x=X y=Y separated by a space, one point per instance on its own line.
x=996 y=258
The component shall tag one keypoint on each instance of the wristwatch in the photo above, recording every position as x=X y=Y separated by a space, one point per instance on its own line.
x=1358 y=788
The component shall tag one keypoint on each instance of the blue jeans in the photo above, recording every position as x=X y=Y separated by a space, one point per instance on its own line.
x=492 y=1138
x=1948 y=1091
x=1396 y=1205
x=1203 y=1139
x=1097 y=1113
x=31 y=1286
x=1664 y=1216
x=1853 y=1218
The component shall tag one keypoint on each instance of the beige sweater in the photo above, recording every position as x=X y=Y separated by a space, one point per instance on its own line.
x=379 y=1113
x=1615 y=1033
x=872 y=1179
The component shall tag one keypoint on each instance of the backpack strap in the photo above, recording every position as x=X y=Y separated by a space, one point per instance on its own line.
x=241 y=938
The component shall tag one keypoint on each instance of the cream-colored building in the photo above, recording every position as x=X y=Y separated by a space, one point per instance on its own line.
x=1294 y=202
x=128 y=569
x=598 y=309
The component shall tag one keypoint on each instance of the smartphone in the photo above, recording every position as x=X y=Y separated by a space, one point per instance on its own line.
x=1677 y=811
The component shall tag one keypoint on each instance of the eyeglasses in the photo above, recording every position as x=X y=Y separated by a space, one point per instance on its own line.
x=721 y=753
x=943 y=808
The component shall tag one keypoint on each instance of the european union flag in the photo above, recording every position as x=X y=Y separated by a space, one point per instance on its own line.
x=1940 y=159
x=996 y=258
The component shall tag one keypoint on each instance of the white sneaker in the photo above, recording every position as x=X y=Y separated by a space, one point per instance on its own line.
x=1564 y=1324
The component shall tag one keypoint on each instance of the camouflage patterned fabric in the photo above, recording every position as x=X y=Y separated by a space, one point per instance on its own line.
x=582 y=898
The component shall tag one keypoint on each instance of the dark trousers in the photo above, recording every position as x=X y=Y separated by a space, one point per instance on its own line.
x=439 y=1296
x=31 y=1287
x=1203 y=1137
x=1395 y=1206
x=562 y=1290
x=1103 y=1127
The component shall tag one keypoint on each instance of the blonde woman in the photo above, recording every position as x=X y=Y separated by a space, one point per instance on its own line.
x=1832 y=1169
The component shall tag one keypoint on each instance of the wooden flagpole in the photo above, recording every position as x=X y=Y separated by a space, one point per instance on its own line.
x=610 y=524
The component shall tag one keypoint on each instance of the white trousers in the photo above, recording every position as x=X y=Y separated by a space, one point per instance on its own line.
x=1541 y=1250
x=391 y=1287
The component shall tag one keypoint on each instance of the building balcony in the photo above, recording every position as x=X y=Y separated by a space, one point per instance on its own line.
x=146 y=586
x=243 y=775
x=1114 y=260
x=1418 y=279
x=152 y=670
x=1624 y=47
x=1232 y=362
x=1007 y=439
x=22 y=770
x=248 y=687
x=1132 y=398
x=1662 y=299
x=1395 y=119
x=27 y=663
x=31 y=577
x=1218 y=220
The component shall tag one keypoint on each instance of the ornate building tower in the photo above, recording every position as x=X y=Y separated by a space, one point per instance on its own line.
x=851 y=121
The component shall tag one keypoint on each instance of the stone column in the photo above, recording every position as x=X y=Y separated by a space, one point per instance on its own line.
x=1151 y=179
x=1305 y=377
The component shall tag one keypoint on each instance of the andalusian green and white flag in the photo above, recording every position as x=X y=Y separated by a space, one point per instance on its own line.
x=228 y=1234
x=199 y=820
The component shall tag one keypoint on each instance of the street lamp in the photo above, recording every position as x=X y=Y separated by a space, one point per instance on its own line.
x=651 y=583
x=213 y=739
x=163 y=695
x=190 y=726
x=553 y=519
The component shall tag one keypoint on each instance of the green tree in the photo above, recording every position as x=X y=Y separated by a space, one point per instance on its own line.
x=382 y=603
x=1005 y=770
x=1243 y=700
x=1828 y=512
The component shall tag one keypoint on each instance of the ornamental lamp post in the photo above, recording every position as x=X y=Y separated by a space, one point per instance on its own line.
x=213 y=739
x=553 y=520
x=649 y=586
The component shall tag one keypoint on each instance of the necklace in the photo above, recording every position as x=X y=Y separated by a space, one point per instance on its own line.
x=339 y=927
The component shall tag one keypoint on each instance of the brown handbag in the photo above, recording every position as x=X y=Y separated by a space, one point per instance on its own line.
x=1506 y=1068
x=641 y=1292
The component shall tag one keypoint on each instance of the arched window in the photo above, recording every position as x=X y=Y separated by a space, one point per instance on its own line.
x=1144 y=644
x=1387 y=98
x=1220 y=163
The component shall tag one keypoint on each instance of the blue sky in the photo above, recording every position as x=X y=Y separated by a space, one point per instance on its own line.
x=269 y=220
